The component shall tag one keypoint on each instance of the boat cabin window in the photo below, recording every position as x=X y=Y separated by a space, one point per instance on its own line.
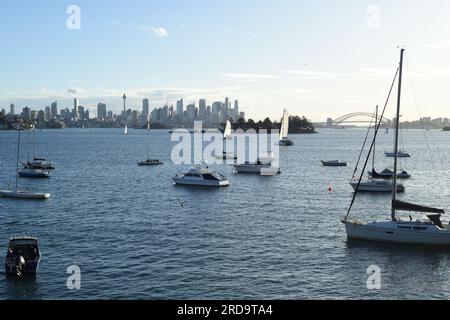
x=208 y=176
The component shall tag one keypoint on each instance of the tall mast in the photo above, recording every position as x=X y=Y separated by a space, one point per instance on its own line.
x=17 y=162
x=397 y=124
x=376 y=125
x=149 y=119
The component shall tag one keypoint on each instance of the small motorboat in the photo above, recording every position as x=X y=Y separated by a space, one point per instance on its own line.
x=334 y=163
x=401 y=154
x=201 y=176
x=39 y=163
x=24 y=195
x=33 y=173
x=150 y=162
x=23 y=256
x=285 y=142
x=263 y=168
x=376 y=186
x=389 y=174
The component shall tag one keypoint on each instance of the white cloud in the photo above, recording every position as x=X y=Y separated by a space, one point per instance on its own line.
x=438 y=44
x=310 y=75
x=158 y=32
x=249 y=77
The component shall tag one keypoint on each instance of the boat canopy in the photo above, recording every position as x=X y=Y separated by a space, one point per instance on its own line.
x=406 y=206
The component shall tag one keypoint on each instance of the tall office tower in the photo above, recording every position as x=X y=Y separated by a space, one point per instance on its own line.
x=110 y=114
x=208 y=113
x=26 y=114
x=190 y=112
x=41 y=116
x=47 y=113
x=86 y=114
x=216 y=113
x=81 y=112
x=145 y=108
x=202 y=110
x=180 y=108
x=227 y=103
x=33 y=115
x=101 y=112
x=75 y=109
x=164 y=113
x=54 y=110
x=12 y=109
x=236 y=110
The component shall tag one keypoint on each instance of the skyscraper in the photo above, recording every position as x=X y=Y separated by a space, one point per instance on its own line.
x=180 y=108
x=101 y=111
x=12 y=109
x=145 y=108
x=190 y=112
x=54 y=110
x=75 y=109
x=202 y=110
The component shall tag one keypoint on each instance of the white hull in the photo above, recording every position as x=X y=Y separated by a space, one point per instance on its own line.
x=198 y=182
x=23 y=195
x=377 y=186
x=253 y=168
x=399 y=232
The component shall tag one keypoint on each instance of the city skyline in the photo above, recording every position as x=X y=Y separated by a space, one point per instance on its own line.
x=314 y=62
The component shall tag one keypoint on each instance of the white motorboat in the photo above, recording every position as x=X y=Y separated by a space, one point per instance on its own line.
x=201 y=176
x=259 y=167
x=334 y=163
x=401 y=154
x=284 y=140
x=376 y=186
x=428 y=231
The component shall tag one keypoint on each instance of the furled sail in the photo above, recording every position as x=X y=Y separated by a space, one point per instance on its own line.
x=406 y=206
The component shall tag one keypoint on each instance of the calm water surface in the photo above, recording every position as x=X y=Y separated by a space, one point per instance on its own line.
x=263 y=237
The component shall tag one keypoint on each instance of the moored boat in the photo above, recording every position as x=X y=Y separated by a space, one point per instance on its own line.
x=23 y=256
x=201 y=176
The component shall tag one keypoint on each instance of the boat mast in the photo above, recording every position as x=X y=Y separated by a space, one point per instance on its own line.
x=148 y=133
x=397 y=124
x=17 y=162
x=33 y=140
x=374 y=143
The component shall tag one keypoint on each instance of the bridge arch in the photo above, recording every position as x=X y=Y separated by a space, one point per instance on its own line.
x=345 y=118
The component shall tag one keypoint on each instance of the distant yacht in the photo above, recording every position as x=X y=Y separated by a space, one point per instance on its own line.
x=259 y=167
x=38 y=163
x=148 y=161
x=201 y=176
x=284 y=140
x=23 y=256
x=18 y=193
x=126 y=130
x=428 y=230
x=333 y=163
x=227 y=135
x=401 y=154
x=34 y=173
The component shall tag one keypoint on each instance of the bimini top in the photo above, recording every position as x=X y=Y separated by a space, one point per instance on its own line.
x=406 y=206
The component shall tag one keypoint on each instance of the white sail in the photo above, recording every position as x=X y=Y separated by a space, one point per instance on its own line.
x=284 y=125
x=126 y=130
x=227 y=132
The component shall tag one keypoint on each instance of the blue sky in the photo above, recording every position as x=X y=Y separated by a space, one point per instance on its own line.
x=316 y=58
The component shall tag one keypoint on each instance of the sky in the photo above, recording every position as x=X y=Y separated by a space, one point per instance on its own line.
x=321 y=58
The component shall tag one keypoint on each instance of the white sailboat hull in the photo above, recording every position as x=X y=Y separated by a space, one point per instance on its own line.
x=399 y=232
x=254 y=168
x=24 y=195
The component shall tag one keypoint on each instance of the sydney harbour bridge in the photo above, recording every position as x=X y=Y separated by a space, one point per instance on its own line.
x=354 y=118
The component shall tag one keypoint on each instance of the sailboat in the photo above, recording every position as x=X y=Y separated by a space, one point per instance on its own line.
x=38 y=163
x=20 y=193
x=149 y=162
x=126 y=130
x=428 y=230
x=284 y=140
x=227 y=135
x=401 y=154
x=374 y=185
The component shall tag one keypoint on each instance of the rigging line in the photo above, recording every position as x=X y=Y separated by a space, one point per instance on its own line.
x=418 y=103
x=377 y=128
x=363 y=146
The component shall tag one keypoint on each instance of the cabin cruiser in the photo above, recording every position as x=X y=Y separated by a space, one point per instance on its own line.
x=39 y=163
x=334 y=163
x=33 y=173
x=259 y=167
x=150 y=162
x=23 y=256
x=201 y=176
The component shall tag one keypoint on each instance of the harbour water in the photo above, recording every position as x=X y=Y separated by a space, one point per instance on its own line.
x=135 y=235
